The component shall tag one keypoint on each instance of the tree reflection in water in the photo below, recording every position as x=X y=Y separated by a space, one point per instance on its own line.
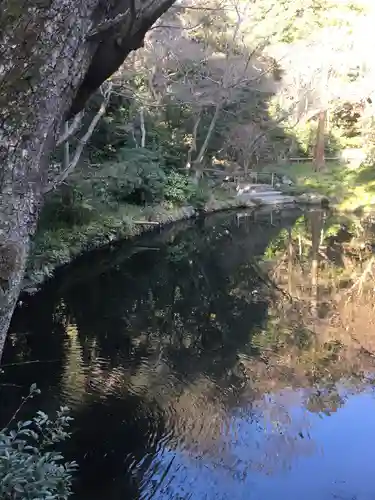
x=210 y=346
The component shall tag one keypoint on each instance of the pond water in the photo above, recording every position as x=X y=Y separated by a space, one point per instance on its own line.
x=230 y=357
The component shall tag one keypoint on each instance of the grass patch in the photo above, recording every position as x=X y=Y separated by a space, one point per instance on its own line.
x=350 y=188
x=57 y=246
x=333 y=182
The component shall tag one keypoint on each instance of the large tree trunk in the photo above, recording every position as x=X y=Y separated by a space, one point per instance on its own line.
x=53 y=55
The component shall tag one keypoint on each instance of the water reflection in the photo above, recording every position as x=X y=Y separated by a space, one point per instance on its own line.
x=227 y=358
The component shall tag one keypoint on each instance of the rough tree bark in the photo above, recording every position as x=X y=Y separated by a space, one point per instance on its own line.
x=53 y=55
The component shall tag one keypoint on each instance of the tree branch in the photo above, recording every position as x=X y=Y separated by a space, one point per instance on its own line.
x=361 y=280
x=166 y=26
x=66 y=160
x=211 y=127
x=107 y=25
x=69 y=131
x=193 y=145
x=143 y=128
x=82 y=142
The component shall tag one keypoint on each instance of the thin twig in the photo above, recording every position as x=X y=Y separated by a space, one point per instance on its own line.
x=14 y=416
x=82 y=143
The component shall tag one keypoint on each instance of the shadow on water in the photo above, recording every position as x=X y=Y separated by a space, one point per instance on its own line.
x=199 y=361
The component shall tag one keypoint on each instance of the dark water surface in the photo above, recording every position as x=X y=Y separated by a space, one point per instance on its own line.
x=230 y=358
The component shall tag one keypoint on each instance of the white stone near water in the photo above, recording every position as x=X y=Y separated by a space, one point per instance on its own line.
x=285 y=180
x=263 y=194
x=243 y=188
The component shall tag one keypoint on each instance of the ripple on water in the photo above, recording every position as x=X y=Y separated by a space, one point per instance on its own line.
x=180 y=371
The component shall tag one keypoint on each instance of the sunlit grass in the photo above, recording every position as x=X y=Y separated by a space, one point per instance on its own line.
x=349 y=188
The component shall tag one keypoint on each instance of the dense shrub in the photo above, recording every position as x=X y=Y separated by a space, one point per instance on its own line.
x=178 y=188
x=30 y=468
x=136 y=177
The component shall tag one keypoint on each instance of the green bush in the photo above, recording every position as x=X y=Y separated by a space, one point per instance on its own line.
x=178 y=188
x=29 y=466
x=66 y=207
x=136 y=177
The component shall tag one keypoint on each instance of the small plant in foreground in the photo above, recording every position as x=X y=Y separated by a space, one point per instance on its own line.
x=29 y=467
